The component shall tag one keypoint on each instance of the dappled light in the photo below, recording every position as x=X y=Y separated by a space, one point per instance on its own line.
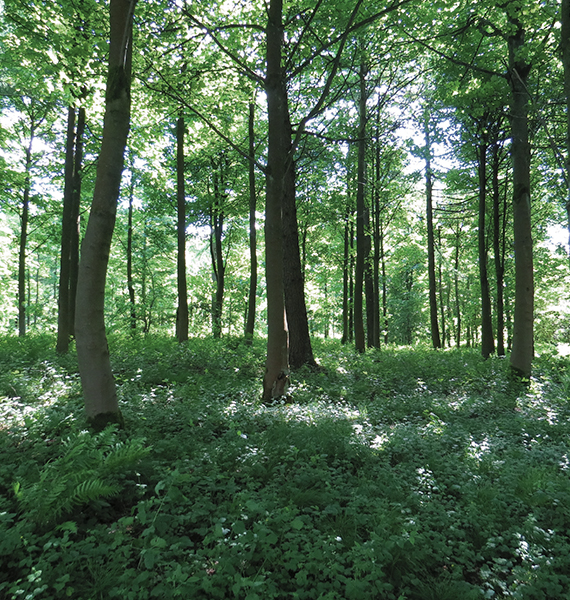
x=405 y=480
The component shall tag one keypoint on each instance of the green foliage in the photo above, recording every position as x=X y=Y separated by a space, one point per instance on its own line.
x=395 y=474
x=89 y=469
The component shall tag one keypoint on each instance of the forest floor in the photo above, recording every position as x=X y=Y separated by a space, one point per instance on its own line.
x=403 y=474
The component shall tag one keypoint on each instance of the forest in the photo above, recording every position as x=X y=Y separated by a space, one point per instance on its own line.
x=284 y=299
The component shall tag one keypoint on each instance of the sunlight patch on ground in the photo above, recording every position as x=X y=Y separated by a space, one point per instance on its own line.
x=477 y=450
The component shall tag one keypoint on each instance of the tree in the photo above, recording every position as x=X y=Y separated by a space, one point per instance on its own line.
x=92 y=348
x=362 y=239
x=434 y=327
x=182 y=310
x=250 y=317
x=518 y=75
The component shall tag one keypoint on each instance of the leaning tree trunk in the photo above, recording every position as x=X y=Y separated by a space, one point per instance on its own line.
x=431 y=243
x=250 y=319
x=276 y=376
x=523 y=340
x=97 y=379
x=487 y=342
x=182 y=310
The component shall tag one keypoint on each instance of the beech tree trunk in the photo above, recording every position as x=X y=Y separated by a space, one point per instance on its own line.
x=300 y=349
x=487 y=342
x=276 y=377
x=346 y=275
x=218 y=266
x=456 y=285
x=361 y=245
x=63 y=316
x=252 y=295
x=182 y=310
x=523 y=340
x=97 y=379
x=442 y=303
x=498 y=249
x=24 y=218
x=130 y=286
x=75 y=225
x=431 y=243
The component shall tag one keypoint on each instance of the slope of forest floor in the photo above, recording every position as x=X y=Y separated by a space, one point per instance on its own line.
x=400 y=474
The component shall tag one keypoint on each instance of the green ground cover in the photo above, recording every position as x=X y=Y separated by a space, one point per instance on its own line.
x=401 y=474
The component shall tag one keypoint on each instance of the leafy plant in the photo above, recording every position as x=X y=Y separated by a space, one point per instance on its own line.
x=89 y=469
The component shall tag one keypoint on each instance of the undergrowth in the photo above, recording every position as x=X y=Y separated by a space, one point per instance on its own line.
x=402 y=474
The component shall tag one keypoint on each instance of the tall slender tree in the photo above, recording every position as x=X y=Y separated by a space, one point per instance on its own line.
x=97 y=379
x=182 y=310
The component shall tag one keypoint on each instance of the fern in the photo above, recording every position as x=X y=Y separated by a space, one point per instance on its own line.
x=89 y=469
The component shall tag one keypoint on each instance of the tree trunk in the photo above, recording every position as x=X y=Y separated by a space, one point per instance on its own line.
x=300 y=349
x=376 y=218
x=276 y=377
x=24 y=218
x=92 y=349
x=487 y=342
x=384 y=287
x=182 y=310
x=250 y=319
x=430 y=235
x=218 y=266
x=63 y=316
x=456 y=282
x=351 y=286
x=345 y=275
x=361 y=245
x=498 y=251
x=442 y=303
x=523 y=340
x=565 y=47
x=130 y=286
x=75 y=224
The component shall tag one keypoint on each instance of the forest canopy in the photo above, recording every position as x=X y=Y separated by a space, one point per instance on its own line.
x=379 y=172
x=304 y=268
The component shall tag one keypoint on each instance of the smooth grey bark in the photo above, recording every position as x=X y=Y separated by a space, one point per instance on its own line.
x=97 y=379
